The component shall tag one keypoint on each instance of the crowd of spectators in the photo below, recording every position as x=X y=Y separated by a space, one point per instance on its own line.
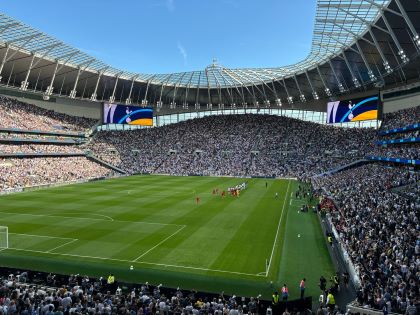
x=16 y=114
x=238 y=145
x=84 y=295
x=401 y=118
x=405 y=151
x=30 y=136
x=26 y=172
x=39 y=148
x=379 y=227
x=405 y=135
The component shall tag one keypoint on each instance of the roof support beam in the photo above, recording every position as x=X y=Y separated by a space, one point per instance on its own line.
x=50 y=87
x=301 y=95
x=73 y=92
x=240 y=93
x=314 y=93
x=326 y=89
x=3 y=62
x=381 y=53
x=159 y=104
x=355 y=80
x=112 y=97
x=413 y=30
x=144 y=101
x=289 y=97
x=401 y=52
x=366 y=22
x=24 y=84
x=339 y=84
x=94 y=95
x=197 y=95
x=128 y=100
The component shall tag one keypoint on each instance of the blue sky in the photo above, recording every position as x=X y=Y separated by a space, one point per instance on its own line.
x=161 y=36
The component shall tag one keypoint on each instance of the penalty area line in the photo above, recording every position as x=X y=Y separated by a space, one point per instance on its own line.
x=204 y=269
x=160 y=243
x=62 y=245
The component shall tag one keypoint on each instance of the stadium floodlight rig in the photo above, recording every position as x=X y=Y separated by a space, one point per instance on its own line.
x=355 y=44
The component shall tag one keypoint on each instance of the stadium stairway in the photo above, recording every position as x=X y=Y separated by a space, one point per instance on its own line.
x=93 y=158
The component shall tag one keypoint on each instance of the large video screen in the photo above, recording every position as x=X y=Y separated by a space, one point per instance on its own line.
x=353 y=110
x=127 y=115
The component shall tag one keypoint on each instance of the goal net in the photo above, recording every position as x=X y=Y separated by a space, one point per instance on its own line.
x=4 y=237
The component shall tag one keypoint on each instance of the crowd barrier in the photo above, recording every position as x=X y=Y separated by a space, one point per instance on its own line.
x=354 y=308
x=400 y=130
x=344 y=255
x=40 y=132
x=397 y=141
x=393 y=160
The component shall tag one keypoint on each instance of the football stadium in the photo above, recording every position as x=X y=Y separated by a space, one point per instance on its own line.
x=286 y=189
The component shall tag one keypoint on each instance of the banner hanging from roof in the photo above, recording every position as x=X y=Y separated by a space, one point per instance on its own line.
x=127 y=115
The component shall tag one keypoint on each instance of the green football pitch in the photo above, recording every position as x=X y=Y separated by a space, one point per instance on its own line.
x=246 y=245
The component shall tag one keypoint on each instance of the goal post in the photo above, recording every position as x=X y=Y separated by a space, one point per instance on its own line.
x=4 y=237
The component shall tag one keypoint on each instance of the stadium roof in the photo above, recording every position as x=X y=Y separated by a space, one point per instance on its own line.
x=356 y=43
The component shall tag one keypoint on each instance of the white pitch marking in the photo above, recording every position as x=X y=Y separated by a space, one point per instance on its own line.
x=46 y=236
x=84 y=218
x=99 y=215
x=202 y=269
x=277 y=232
x=137 y=262
x=62 y=245
x=70 y=255
x=160 y=243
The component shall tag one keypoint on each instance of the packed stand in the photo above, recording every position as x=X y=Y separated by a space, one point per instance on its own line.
x=27 y=172
x=27 y=136
x=84 y=295
x=39 y=148
x=405 y=151
x=239 y=145
x=403 y=135
x=16 y=114
x=401 y=118
x=379 y=227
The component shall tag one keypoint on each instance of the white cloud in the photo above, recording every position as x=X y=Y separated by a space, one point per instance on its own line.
x=183 y=52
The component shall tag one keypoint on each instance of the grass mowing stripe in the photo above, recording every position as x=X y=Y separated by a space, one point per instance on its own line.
x=160 y=243
x=277 y=231
x=60 y=246
x=222 y=248
x=84 y=218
